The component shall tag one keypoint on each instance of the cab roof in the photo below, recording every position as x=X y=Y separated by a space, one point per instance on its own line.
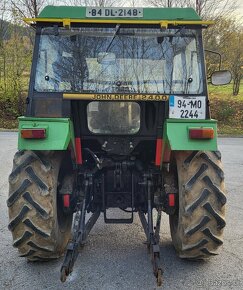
x=67 y=15
x=76 y=12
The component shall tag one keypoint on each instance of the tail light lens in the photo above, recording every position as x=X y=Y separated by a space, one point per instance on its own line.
x=201 y=133
x=33 y=133
x=171 y=199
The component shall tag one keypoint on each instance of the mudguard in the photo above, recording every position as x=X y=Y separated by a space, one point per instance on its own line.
x=59 y=133
x=176 y=135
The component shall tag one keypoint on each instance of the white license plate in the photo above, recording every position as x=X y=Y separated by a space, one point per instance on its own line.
x=114 y=12
x=187 y=107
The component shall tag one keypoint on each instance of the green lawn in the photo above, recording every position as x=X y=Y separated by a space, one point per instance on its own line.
x=225 y=91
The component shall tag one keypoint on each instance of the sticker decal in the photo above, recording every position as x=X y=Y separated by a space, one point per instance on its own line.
x=116 y=97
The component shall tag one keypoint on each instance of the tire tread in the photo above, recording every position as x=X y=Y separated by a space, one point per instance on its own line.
x=201 y=216
x=32 y=217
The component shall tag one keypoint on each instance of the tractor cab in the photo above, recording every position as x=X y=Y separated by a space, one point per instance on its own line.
x=117 y=118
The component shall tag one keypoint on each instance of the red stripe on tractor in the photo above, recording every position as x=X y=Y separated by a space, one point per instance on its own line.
x=167 y=153
x=79 y=159
x=158 y=156
x=171 y=199
x=66 y=200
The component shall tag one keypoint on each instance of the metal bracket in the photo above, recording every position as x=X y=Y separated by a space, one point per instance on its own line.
x=151 y=232
x=81 y=230
x=66 y=23
x=117 y=220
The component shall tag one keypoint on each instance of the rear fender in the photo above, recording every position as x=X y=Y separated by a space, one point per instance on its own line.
x=59 y=134
x=176 y=136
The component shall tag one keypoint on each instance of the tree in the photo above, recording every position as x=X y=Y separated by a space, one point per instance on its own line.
x=235 y=58
x=15 y=56
x=14 y=62
x=98 y=3
x=27 y=8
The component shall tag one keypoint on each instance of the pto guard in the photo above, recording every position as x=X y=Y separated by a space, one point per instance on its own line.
x=176 y=135
x=59 y=133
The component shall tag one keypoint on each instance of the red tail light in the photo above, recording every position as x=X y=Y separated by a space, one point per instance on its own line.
x=201 y=133
x=66 y=200
x=171 y=199
x=33 y=133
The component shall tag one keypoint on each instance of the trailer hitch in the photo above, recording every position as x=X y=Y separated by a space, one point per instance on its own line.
x=81 y=230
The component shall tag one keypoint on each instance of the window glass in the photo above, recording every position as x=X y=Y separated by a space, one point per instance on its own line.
x=128 y=60
x=115 y=118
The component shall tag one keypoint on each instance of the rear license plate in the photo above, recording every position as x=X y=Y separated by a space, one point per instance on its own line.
x=114 y=12
x=187 y=107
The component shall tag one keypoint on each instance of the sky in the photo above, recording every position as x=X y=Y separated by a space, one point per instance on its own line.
x=240 y=9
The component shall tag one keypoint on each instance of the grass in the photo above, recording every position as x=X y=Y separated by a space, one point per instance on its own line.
x=225 y=92
x=227 y=109
x=227 y=130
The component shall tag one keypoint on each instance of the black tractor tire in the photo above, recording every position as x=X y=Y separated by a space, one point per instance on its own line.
x=38 y=224
x=197 y=226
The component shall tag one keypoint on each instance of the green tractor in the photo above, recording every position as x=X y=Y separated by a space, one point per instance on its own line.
x=117 y=122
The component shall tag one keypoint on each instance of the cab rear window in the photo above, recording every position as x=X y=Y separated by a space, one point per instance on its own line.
x=115 y=118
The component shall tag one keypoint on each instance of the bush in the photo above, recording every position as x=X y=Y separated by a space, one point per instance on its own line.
x=222 y=110
x=228 y=112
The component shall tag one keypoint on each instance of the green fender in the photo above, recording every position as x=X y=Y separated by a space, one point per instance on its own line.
x=176 y=135
x=59 y=133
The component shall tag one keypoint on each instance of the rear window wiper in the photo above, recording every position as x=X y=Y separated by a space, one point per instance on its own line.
x=113 y=37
